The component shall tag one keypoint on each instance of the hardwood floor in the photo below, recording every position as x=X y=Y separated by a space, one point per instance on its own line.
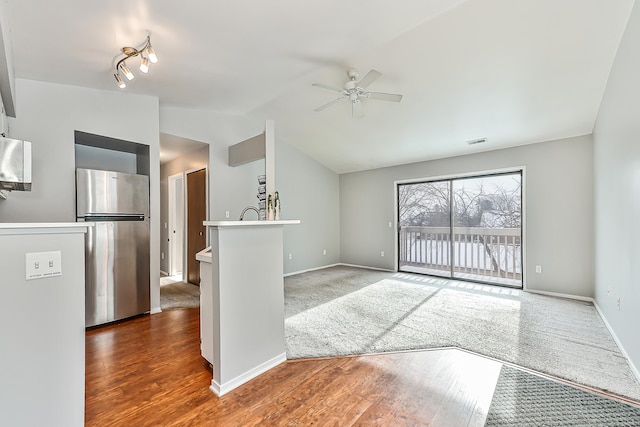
x=148 y=371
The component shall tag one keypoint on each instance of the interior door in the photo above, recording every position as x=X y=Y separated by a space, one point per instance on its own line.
x=196 y=214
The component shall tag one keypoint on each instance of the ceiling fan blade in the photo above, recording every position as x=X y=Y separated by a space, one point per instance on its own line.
x=369 y=78
x=329 y=104
x=356 y=109
x=384 y=96
x=323 y=86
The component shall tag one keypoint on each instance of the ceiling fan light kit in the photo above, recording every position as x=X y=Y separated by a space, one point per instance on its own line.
x=355 y=91
x=146 y=53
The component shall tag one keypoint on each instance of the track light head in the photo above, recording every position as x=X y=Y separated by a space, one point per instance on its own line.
x=144 y=65
x=119 y=80
x=126 y=71
x=151 y=53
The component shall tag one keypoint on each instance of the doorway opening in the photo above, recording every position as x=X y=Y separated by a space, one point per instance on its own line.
x=179 y=158
x=467 y=228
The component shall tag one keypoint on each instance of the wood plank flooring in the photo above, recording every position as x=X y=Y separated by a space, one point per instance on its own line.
x=148 y=372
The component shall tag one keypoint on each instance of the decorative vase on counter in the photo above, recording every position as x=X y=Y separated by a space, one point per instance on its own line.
x=270 y=210
x=276 y=207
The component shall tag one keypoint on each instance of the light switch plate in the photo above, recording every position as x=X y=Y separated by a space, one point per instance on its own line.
x=40 y=265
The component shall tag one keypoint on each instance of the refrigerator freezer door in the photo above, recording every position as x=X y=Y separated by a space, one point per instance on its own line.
x=110 y=193
x=117 y=271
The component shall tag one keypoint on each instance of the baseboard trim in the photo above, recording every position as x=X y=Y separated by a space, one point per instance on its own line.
x=310 y=269
x=559 y=295
x=633 y=367
x=156 y=310
x=221 y=389
x=337 y=265
x=366 y=267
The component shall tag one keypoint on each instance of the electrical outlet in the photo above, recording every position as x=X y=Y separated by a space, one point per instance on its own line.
x=324 y=252
x=390 y=224
x=538 y=269
x=618 y=303
x=381 y=253
x=226 y=214
x=290 y=256
x=39 y=265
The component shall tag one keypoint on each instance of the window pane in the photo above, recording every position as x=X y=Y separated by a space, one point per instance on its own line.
x=425 y=228
x=487 y=217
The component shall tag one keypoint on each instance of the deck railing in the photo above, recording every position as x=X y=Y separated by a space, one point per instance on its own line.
x=490 y=252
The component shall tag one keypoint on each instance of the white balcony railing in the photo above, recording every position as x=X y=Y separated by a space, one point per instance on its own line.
x=487 y=254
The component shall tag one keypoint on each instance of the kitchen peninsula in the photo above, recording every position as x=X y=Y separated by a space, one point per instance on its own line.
x=245 y=299
x=42 y=324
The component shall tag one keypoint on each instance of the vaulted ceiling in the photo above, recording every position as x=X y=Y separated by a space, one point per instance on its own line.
x=512 y=71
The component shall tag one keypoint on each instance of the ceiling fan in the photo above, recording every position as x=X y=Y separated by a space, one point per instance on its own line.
x=355 y=91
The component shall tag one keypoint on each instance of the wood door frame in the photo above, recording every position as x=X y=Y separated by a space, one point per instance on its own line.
x=174 y=251
x=185 y=261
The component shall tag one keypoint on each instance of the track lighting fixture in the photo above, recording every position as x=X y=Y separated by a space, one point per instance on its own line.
x=146 y=53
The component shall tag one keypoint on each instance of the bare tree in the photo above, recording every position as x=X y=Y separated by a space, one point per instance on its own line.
x=423 y=204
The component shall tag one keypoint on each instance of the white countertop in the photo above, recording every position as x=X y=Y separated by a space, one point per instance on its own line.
x=43 y=227
x=250 y=223
x=204 y=255
x=44 y=224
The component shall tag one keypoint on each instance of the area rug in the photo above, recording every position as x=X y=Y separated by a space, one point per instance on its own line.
x=175 y=294
x=525 y=399
x=344 y=310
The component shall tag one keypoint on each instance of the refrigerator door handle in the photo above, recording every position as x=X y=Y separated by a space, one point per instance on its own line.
x=111 y=217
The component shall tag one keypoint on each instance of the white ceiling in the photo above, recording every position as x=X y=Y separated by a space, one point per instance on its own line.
x=513 y=71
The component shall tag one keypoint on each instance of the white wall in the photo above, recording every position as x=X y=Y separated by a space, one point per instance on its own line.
x=558 y=203
x=47 y=115
x=617 y=194
x=102 y=159
x=311 y=193
x=308 y=190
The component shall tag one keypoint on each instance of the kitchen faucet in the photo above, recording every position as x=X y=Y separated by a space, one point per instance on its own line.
x=249 y=208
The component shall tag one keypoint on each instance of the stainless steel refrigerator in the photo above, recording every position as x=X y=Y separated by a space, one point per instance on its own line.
x=117 y=247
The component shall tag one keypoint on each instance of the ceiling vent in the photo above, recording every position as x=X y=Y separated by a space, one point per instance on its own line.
x=477 y=141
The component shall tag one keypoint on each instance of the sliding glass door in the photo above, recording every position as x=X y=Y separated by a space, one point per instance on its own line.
x=425 y=227
x=465 y=228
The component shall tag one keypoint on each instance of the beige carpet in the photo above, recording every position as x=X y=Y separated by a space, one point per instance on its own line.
x=177 y=294
x=344 y=310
